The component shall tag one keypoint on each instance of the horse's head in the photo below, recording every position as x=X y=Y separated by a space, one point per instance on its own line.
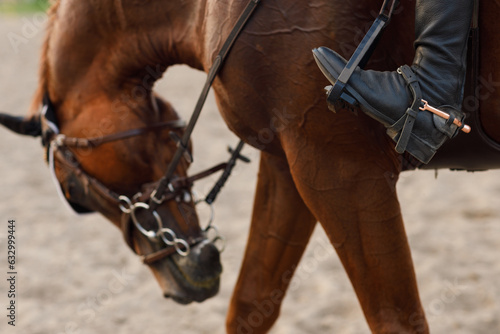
x=109 y=139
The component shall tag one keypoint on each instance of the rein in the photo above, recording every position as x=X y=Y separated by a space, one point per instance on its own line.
x=182 y=143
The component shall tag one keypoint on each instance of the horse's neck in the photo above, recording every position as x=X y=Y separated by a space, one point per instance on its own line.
x=111 y=44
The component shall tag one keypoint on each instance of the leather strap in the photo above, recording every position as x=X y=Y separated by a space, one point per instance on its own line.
x=362 y=53
x=156 y=256
x=92 y=188
x=228 y=168
x=214 y=70
x=407 y=121
x=97 y=141
x=165 y=252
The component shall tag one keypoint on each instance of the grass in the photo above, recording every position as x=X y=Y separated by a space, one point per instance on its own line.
x=23 y=6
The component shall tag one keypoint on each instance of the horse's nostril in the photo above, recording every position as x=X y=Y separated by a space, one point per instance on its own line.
x=209 y=254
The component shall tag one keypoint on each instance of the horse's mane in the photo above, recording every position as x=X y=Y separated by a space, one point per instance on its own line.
x=43 y=72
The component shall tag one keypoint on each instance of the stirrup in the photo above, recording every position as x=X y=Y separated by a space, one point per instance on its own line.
x=362 y=54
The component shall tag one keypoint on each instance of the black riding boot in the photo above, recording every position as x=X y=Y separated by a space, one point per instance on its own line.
x=438 y=73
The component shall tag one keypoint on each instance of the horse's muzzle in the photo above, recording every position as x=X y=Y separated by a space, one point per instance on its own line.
x=195 y=277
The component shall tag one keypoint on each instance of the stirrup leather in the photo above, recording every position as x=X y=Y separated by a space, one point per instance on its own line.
x=361 y=55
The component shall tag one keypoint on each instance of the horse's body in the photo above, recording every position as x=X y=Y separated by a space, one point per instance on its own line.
x=339 y=169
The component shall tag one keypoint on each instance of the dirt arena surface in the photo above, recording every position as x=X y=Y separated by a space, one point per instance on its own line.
x=76 y=275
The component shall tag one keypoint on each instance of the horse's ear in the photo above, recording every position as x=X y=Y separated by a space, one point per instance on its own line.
x=24 y=126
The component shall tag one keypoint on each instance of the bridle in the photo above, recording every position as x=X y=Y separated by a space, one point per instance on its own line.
x=78 y=187
x=168 y=188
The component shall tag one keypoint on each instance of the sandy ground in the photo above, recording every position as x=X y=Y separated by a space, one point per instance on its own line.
x=76 y=275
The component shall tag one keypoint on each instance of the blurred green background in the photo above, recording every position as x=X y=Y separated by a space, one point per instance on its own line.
x=23 y=6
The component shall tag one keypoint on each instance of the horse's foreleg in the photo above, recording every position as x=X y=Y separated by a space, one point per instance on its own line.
x=357 y=205
x=280 y=230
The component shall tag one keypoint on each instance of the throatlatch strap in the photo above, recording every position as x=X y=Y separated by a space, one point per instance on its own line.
x=407 y=121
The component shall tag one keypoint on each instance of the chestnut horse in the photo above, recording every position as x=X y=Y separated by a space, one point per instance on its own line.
x=339 y=169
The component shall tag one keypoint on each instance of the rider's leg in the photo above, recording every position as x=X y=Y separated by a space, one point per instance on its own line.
x=442 y=28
